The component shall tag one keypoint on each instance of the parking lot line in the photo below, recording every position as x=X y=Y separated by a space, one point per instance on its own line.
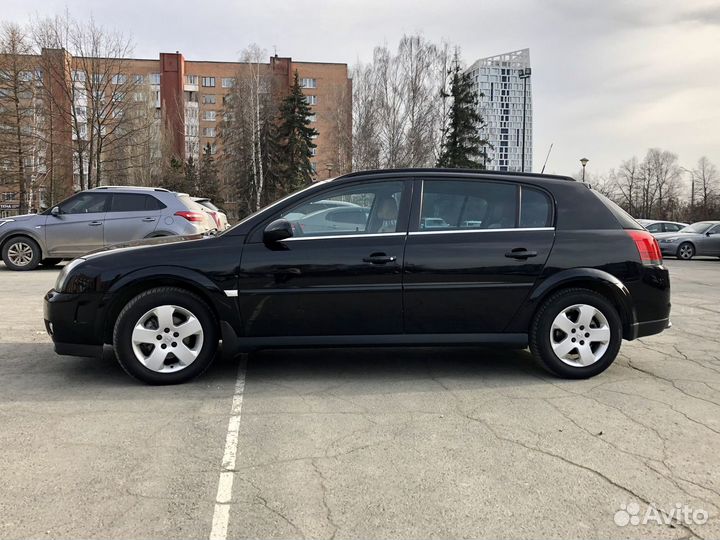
x=221 y=514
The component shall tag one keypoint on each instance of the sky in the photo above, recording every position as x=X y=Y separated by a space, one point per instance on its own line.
x=610 y=78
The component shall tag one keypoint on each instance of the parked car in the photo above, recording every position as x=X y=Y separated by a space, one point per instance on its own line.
x=702 y=238
x=661 y=226
x=219 y=217
x=96 y=218
x=522 y=259
x=340 y=219
x=314 y=206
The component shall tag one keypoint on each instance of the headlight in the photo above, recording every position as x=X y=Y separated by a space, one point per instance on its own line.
x=62 y=277
x=669 y=240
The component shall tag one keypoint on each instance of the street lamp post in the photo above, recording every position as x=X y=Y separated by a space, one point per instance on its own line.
x=583 y=162
x=524 y=74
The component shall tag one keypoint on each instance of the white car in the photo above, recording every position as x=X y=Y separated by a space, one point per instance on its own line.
x=219 y=217
x=657 y=226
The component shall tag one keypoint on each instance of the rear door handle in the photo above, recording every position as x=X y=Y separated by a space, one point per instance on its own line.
x=379 y=258
x=95 y=223
x=148 y=219
x=520 y=253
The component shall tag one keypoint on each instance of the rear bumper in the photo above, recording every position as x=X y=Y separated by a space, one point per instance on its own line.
x=74 y=323
x=651 y=298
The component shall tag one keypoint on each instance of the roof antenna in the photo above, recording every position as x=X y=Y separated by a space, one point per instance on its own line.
x=546 y=158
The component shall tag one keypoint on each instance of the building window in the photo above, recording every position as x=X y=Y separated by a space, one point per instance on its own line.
x=209 y=99
x=209 y=132
x=311 y=100
x=191 y=96
x=313 y=166
x=154 y=78
x=119 y=79
x=313 y=152
x=311 y=117
x=139 y=79
x=191 y=79
x=208 y=82
x=210 y=116
x=213 y=149
x=308 y=83
x=78 y=76
x=228 y=82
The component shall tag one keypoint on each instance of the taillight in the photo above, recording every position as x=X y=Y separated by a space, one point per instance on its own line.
x=647 y=245
x=216 y=218
x=191 y=216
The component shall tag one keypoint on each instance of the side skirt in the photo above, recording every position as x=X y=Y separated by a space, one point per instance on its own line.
x=244 y=344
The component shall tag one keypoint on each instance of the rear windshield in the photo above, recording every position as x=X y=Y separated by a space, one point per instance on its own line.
x=626 y=220
x=208 y=204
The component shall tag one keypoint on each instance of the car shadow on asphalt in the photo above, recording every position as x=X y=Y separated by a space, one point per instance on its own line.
x=378 y=369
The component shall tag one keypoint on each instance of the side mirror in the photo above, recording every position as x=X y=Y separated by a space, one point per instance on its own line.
x=55 y=211
x=278 y=230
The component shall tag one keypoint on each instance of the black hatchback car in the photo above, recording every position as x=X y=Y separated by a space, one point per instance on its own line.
x=399 y=257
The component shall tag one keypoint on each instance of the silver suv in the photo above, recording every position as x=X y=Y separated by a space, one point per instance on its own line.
x=96 y=218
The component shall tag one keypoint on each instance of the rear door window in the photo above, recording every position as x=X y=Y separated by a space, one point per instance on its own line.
x=468 y=205
x=134 y=202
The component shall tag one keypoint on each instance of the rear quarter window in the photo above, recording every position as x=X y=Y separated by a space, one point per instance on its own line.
x=626 y=220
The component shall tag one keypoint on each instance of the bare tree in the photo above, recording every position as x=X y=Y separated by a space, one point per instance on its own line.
x=398 y=111
x=663 y=174
x=247 y=133
x=706 y=180
x=89 y=79
x=19 y=119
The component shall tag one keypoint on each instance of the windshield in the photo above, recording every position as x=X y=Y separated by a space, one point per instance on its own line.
x=697 y=227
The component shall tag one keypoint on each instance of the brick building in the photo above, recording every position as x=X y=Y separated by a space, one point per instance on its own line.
x=188 y=96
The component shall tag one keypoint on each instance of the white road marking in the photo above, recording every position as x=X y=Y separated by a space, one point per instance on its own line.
x=221 y=515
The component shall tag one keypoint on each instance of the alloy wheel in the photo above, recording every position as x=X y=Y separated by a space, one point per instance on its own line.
x=167 y=339
x=686 y=251
x=580 y=335
x=20 y=254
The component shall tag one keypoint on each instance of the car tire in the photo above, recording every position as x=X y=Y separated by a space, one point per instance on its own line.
x=149 y=328
x=21 y=253
x=686 y=251
x=50 y=262
x=596 y=344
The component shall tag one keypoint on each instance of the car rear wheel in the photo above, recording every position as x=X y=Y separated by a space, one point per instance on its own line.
x=165 y=335
x=686 y=251
x=576 y=333
x=50 y=262
x=21 y=253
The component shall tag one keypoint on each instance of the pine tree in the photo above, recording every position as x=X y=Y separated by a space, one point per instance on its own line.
x=208 y=182
x=295 y=140
x=462 y=147
x=191 y=176
x=173 y=176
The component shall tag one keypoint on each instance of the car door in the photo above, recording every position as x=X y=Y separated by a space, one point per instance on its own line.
x=131 y=216
x=78 y=226
x=473 y=273
x=711 y=241
x=343 y=279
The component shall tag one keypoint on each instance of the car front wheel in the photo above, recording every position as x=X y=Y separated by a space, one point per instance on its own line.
x=576 y=334
x=21 y=253
x=686 y=251
x=165 y=335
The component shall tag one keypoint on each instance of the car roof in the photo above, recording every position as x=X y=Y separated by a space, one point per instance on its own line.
x=452 y=173
x=129 y=188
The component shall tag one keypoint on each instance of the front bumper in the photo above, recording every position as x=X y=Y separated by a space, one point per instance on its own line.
x=74 y=323
x=669 y=249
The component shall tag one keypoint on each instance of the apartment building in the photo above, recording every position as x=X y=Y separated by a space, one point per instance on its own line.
x=188 y=98
x=504 y=87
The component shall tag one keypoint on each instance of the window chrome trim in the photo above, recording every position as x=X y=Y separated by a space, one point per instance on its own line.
x=231 y=293
x=335 y=236
x=464 y=231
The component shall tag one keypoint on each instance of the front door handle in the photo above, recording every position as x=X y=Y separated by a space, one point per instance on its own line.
x=148 y=219
x=520 y=253
x=379 y=258
x=95 y=223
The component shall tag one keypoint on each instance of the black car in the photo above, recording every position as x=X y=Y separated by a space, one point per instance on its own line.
x=440 y=257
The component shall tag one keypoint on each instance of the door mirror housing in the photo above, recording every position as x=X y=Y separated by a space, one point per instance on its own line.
x=55 y=211
x=276 y=231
